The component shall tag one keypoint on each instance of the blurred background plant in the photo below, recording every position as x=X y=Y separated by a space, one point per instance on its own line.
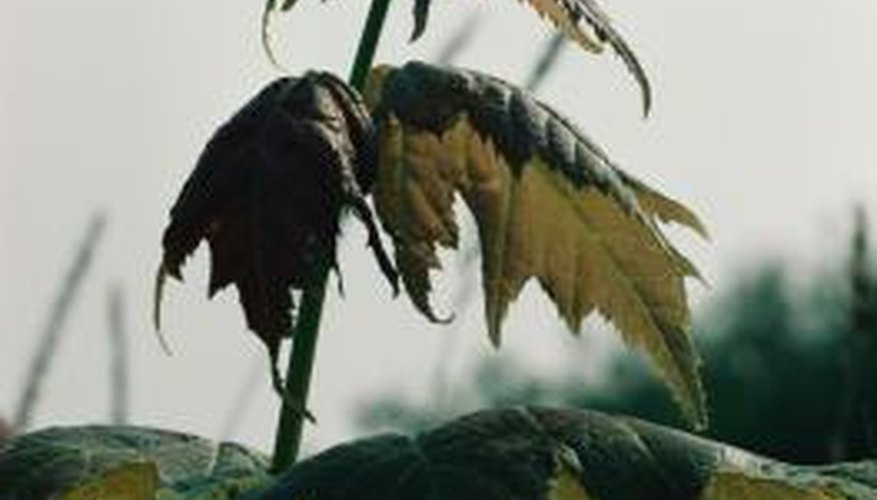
x=55 y=328
x=786 y=367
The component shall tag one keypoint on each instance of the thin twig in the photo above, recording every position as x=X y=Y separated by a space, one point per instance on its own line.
x=51 y=334
x=119 y=361
x=243 y=401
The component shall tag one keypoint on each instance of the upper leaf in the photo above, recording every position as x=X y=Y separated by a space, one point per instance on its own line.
x=548 y=204
x=267 y=194
x=545 y=453
x=51 y=462
x=567 y=15
x=582 y=21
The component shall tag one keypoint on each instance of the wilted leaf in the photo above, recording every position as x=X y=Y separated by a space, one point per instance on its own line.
x=548 y=203
x=50 y=462
x=556 y=454
x=267 y=194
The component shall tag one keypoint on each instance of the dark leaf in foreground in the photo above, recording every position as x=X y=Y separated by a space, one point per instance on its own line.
x=267 y=194
x=51 y=462
x=548 y=202
x=556 y=454
x=522 y=453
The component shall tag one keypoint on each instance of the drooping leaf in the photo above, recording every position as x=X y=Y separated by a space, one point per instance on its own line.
x=121 y=459
x=553 y=454
x=267 y=194
x=548 y=203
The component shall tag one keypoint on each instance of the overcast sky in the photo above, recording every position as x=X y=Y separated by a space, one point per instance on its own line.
x=763 y=123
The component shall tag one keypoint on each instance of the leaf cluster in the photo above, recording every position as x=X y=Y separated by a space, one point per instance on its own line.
x=549 y=204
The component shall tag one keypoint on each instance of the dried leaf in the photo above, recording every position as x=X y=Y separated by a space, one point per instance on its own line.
x=267 y=194
x=548 y=204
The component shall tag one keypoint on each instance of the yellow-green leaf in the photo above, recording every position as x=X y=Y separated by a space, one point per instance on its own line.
x=566 y=483
x=740 y=486
x=136 y=481
x=548 y=203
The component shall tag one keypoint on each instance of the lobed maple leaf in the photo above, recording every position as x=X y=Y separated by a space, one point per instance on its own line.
x=548 y=202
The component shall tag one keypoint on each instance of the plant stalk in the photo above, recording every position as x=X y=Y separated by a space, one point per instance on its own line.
x=287 y=442
x=368 y=43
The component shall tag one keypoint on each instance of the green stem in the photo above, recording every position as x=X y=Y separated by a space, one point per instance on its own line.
x=298 y=376
x=368 y=43
x=288 y=438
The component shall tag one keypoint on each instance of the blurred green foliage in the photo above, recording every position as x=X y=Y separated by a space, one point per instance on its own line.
x=781 y=359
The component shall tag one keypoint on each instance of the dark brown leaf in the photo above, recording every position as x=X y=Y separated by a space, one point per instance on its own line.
x=267 y=194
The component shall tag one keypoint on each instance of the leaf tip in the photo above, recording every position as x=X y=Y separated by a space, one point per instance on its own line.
x=266 y=33
x=160 y=279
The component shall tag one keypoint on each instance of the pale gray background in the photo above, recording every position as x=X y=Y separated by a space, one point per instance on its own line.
x=763 y=123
